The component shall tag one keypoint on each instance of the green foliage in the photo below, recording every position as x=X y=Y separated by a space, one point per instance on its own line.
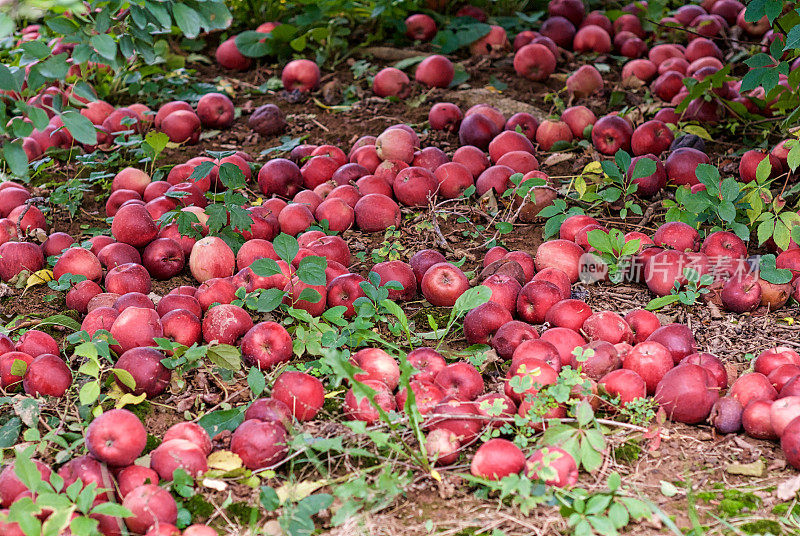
x=113 y=35
x=601 y=513
x=70 y=506
x=330 y=30
x=614 y=251
x=695 y=286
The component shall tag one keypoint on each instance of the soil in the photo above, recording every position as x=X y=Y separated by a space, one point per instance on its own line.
x=695 y=459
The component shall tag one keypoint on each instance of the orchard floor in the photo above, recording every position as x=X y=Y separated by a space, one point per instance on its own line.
x=692 y=474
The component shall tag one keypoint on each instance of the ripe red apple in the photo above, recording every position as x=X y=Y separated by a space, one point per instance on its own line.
x=174 y=454
x=560 y=30
x=300 y=75
x=460 y=381
x=443 y=283
x=496 y=459
x=182 y=126
x=651 y=137
x=612 y=133
x=133 y=225
x=687 y=393
x=677 y=338
x=592 y=38
x=377 y=365
x=191 y=432
x=117 y=437
x=681 y=165
x=535 y=62
x=643 y=323
x=752 y=386
x=266 y=344
x=363 y=409
x=259 y=444
x=442 y=446
x=445 y=116
x=564 y=255
x=302 y=393
x=435 y=71
x=741 y=293
x=391 y=82
x=554 y=466
x=150 y=505
x=229 y=57
x=211 y=258
x=428 y=363
x=420 y=27
x=215 y=110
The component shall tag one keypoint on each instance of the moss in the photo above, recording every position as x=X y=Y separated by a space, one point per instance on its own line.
x=734 y=502
x=628 y=452
x=243 y=512
x=762 y=527
x=199 y=507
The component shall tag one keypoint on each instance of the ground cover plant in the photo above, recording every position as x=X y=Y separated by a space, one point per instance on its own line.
x=415 y=267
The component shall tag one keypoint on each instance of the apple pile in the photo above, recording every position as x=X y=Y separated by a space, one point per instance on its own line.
x=114 y=441
x=675 y=246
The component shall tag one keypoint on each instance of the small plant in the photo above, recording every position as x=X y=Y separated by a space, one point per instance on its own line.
x=614 y=251
x=70 y=506
x=696 y=285
x=615 y=185
x=601 y=513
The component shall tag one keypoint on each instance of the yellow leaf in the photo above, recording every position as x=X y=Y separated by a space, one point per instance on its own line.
x=697 y=130
x=435 y=475
x=789 y=320
x=593 y=167
x=39 y=278
x=224 y=460
x=128 y=398
x=298 y=491
x=333 y=394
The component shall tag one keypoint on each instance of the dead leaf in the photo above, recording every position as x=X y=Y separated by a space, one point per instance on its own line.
x=299 y=491
x=788 y=488
x=632 y=82
x=214 y=484
x=224 y=460
x=755 y=468
x=557 y=158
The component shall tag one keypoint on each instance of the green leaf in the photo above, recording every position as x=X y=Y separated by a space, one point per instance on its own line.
x=763 y=169
x=269 y=498
x=286 y=247
x=217 y=421
x=80 y=127
x=311 y=270
x=15 y=157
x=105 y=45
x=186 y=19
x=269 y=300
x=769 y=272
x=661 y=301
x=9 y=432
x=765 y=230
x=256 y=381
x=89 y=393
x=644 y=168
x=111 y=509
x=226 y=356
x=793 y=158
x=8 y=81
x=471 y=299
x=310 y=295
x=614 y=481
